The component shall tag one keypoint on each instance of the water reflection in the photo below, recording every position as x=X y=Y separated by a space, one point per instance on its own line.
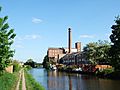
x=53 y=80
x=65 y=81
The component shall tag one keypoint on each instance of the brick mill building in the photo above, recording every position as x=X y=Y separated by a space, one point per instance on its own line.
x=72 y=56
x=55 y=54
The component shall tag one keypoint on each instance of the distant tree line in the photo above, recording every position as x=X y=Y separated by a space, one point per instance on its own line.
x=32 y=63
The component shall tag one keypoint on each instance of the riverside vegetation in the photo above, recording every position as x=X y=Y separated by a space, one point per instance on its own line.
x=8 y=81
x=31 y=84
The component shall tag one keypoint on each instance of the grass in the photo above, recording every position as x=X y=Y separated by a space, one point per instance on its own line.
x=31 y=84
x=8 y=81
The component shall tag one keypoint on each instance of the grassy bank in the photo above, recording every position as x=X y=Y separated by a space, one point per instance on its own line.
x=31 y=84
x=8 y=81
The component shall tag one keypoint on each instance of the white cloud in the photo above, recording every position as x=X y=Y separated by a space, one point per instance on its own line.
x=19 y=39
x=36 y=20
x=87 y=36
x=34 y=36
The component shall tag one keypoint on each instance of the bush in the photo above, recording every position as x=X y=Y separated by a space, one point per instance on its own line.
x=16 y=66
x=105 y=73
x=28 y=67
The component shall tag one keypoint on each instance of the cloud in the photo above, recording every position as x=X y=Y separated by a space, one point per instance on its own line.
x=87 y=36
x=19 y=39
x=36 y=20
x=34 y=36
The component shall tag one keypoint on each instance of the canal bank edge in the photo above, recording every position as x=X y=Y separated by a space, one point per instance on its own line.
x=31 y=83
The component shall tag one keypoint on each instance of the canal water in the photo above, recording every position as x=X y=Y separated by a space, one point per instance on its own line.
x=53 y=80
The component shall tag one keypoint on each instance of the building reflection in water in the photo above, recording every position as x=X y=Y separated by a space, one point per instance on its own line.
x=54 y=80
x=63 y=81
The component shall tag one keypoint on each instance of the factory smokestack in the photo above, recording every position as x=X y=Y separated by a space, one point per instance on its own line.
x=69 y=40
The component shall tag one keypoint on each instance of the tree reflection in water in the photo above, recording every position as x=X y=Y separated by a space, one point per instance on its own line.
x=53 y=80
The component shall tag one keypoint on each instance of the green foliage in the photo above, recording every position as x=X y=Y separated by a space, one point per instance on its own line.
x=8 y=81
x=106 y=71
x=46 y=63
x=97 y=52
x=28 y=67
x=16 y=66
x=31 y=63
x=6 y=40
x=115 y=47
x=31 y=84
x=90 y=52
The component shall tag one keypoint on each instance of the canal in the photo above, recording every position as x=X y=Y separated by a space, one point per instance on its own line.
x=53 y=80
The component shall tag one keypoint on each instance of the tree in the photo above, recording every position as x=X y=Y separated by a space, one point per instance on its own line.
x=90 y=52
x=31 y=63
x=97 y=52
x=115 y=47
x=102 y=52
x=6 y=40
x=46 y=63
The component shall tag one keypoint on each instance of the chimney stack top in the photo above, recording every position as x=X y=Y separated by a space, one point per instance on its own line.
x=69 y=29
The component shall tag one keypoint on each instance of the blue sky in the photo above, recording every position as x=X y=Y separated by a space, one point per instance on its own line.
x=40 y=24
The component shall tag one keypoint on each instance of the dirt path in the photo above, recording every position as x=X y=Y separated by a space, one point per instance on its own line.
x=23 y=81
x=17 y=87
x=21 y=77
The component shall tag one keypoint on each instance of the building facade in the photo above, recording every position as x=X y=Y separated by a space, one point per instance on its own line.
x=76 y=58
x=54 y=54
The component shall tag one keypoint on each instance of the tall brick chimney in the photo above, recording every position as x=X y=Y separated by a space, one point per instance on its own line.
x=69 y=40
x=78 y=46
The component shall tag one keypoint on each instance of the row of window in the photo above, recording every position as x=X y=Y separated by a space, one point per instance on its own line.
x=55 y=51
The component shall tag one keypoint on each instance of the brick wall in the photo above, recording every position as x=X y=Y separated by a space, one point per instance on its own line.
x=101 y=67
x=9 y=69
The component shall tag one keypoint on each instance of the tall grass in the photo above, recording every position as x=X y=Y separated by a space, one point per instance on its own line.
x=31 y=84
x=8 y=81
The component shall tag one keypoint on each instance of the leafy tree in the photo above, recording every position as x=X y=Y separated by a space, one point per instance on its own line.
x=102 y=52
x=31 y=63
x=6 y=40
x=90 y=52
x=115 y=47
x=97 y=52
x=46 y=63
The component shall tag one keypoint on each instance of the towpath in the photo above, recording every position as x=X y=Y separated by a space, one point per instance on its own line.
x=21 y=77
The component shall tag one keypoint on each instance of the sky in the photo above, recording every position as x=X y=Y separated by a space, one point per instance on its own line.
x=40 y=24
